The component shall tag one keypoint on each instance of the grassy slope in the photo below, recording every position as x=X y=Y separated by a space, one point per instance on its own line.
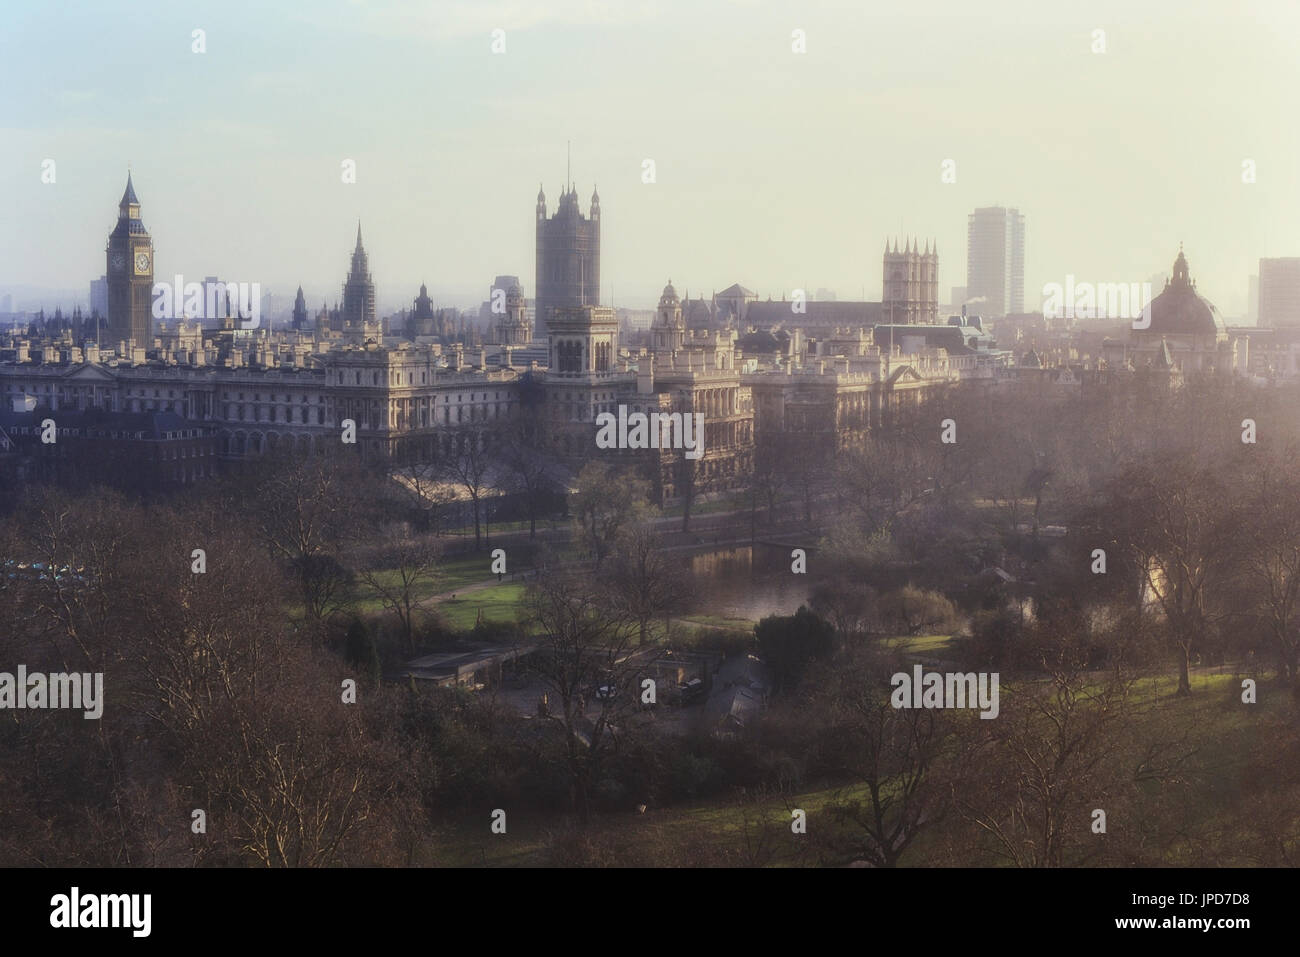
x=1225 y=732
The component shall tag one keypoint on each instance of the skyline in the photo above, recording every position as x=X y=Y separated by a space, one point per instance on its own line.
x=450 y=148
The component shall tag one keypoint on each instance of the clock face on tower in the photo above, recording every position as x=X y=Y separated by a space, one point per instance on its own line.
x=119 y=262
x=141 y=262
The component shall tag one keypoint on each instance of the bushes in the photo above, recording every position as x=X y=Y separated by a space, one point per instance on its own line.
x=361 y=651
x=915 y=611
x=789 y=643
x=994 y=637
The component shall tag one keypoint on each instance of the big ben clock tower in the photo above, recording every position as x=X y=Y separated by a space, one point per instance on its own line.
x=130 y=275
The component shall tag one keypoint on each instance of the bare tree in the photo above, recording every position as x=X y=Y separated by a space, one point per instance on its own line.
x=470 y=465
x=398 y=573
x=426 y=493
x=527 y=467
x=307 y=511
x=585 y=658
x=1059 y=749
x=646 y=581
x=892 y=752
x=1272 y=564
x=691 y=480
x=1170 y=520
x=605 y=503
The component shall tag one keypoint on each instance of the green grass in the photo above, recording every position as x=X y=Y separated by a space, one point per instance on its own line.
x=720 y=622
x=499 y=604
x=719 y=824
x=924 y=644
x=469 y=570
x=452 y=575
x=523 y=525
x=1165 y=686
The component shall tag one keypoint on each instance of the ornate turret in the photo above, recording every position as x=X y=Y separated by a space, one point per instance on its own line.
x=669 y=331
x=513 y=328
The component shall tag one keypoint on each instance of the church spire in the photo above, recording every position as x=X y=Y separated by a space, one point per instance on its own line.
x=129 y=197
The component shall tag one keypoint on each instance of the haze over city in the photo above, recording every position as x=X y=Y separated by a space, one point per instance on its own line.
x=775 y=169
x=688 y=435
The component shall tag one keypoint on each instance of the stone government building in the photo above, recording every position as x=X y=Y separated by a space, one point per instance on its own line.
x=249 y=391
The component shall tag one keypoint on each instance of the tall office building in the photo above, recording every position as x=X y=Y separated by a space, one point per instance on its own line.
x=130 y=275
x=99 y=296
x=995 y=261
x=568 y=257
x=1279 y=293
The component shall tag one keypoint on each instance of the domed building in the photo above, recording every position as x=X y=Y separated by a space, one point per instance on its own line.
x=513 y=327
x=1179 y=332
x=1180 y=311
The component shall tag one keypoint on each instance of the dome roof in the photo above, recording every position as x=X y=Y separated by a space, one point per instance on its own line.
x=1179 y=310
x=669 y=292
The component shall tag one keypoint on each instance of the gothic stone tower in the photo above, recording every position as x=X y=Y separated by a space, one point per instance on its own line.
x=568 y=256
x=911 y=285
x=359 y=291
x=299 y=311
x=130 y=274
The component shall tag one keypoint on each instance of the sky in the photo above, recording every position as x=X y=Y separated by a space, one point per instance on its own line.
x=773 y=168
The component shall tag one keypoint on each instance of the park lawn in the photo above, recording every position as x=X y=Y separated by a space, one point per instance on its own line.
x=451 y=575
x=500 y=604
x=720 y=622
x=469 y=842
x=924 y=644
x=523 y=525
x=465 y=570
x=727 y=503
x=632 y=839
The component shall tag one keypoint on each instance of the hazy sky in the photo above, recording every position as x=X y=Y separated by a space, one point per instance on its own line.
x=774 y=169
